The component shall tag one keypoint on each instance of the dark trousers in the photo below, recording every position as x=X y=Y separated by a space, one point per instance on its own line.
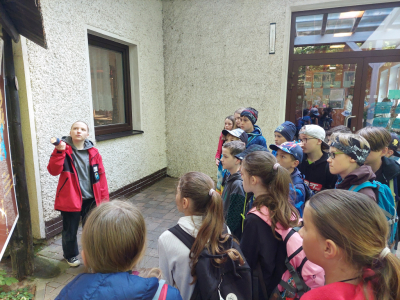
x=71 y=225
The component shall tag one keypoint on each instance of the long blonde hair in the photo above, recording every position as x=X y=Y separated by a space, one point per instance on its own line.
x=356 y=224
x=196 y=186
x=114 y=237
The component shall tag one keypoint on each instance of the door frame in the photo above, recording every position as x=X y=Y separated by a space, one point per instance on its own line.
x=292 y=87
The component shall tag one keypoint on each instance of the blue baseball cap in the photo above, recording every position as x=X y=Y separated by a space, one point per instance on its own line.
x=291 y=148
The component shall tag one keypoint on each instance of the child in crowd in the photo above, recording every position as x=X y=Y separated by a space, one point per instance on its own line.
x=233 y=194
x=235 y=135
x=340 y=128
x=347 y=154
x=229 y=125
x=314 y=166
x=204 y=221
x=304 y=120
x=113 y=242
x=393 y=152
x=248 y=118
x=289 y=155
x=81 y=186
x=346 y=233
x=386 y=170
x=284 y=133
x=237 y=116
x=269 y=182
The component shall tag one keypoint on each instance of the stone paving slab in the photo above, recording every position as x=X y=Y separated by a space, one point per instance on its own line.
x=157 y=204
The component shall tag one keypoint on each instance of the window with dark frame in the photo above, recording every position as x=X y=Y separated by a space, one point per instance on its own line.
x=111 y=88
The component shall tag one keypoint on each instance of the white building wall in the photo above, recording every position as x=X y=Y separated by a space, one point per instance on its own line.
x=60 y=86
x=217 y=59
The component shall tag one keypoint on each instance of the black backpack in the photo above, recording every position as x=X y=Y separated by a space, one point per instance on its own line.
x=229 y=280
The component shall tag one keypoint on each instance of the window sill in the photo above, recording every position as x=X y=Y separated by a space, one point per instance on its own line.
x=116 y=135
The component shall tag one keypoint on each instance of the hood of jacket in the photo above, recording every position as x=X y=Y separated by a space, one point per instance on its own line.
x=122 y=286
x=256 y=131
x=233 y=177
x=390 y=169
x=68 y=140
x=357 y=177
x=296 y=172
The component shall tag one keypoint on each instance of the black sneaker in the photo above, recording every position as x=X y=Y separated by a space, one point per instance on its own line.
x=73 y=262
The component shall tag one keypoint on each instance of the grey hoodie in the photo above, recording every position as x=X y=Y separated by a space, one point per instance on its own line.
x=82 y=166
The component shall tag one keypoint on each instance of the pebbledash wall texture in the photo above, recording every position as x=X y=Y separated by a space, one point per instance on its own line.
x=61 y=93
x=217 y=59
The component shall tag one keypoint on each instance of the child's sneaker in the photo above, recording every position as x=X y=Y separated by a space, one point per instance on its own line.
x=73 y=261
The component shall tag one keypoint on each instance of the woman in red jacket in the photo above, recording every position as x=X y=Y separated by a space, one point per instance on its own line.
x=81 y=185
x=345 y=233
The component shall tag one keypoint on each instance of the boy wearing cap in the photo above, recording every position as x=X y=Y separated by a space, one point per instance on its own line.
x=314 y=166
x=284 y=133
x=229 y=136
x=289 y=155
x=248 y=119
x=347 y=155
x=233 y=194
x=393 y=153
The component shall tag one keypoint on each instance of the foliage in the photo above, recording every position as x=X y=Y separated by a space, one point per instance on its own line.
x=20 y=294
x=4 y=280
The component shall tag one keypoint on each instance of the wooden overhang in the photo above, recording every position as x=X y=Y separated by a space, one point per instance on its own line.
x=23 y=17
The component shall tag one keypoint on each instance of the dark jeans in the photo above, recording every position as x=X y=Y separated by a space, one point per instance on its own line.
x=70 y=228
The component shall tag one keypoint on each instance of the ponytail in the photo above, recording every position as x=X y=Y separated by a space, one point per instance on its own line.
x=357 y=225
x=206 y=202
x=386 y=280
x=276 y=179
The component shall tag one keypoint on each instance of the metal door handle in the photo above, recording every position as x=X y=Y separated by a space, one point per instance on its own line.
x=346 y=120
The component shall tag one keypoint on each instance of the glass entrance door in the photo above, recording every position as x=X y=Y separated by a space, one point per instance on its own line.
x=381 y=93
x=326 y=93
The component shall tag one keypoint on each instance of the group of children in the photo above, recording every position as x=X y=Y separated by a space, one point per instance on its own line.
x=221 y=240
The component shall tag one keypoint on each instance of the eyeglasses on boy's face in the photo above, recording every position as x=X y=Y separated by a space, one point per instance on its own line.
x=305 y=140
x=333 y=154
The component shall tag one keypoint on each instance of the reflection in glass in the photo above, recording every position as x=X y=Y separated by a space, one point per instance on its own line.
x=324 y=94
x=375 y=29
x=106 y=72
x=381 y=104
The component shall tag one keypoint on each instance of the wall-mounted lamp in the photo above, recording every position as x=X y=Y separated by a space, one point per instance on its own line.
x=272 y=37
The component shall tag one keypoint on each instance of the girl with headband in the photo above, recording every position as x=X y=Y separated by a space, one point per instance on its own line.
x=345 y=233
x=204 y=223
x=347 y=154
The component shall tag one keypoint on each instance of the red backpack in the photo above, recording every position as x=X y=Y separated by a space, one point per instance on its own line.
x=301 y=275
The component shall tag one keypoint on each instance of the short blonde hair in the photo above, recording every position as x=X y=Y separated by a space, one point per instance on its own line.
x=344 y=139
x=114 y=237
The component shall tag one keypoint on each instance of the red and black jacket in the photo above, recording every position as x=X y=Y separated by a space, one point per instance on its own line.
x=69 y=195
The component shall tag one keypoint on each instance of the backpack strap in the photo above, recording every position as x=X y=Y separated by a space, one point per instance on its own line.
x=182 y=235
x=358 y=187
x=161 y=285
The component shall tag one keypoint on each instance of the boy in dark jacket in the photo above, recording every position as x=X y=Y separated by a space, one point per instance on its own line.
x=248 y=118
x=233 y=194
x=386 y=170
x=314 y=166
x=347 y=155
x=289 y=155
x=82 y=184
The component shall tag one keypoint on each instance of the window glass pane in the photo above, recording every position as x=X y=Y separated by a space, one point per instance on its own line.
x=324 y=94
x=106 y=72
x=374 y=29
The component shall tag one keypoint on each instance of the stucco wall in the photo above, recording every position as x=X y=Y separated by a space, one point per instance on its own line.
x=222 y=48
x=217 y=59
x=61 y=86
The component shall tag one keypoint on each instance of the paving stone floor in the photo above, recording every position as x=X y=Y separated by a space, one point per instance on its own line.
x=157 y=204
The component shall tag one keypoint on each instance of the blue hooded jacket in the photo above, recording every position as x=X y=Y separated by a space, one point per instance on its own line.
x=256 y=137
x=298 y=198
x=121 y=286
